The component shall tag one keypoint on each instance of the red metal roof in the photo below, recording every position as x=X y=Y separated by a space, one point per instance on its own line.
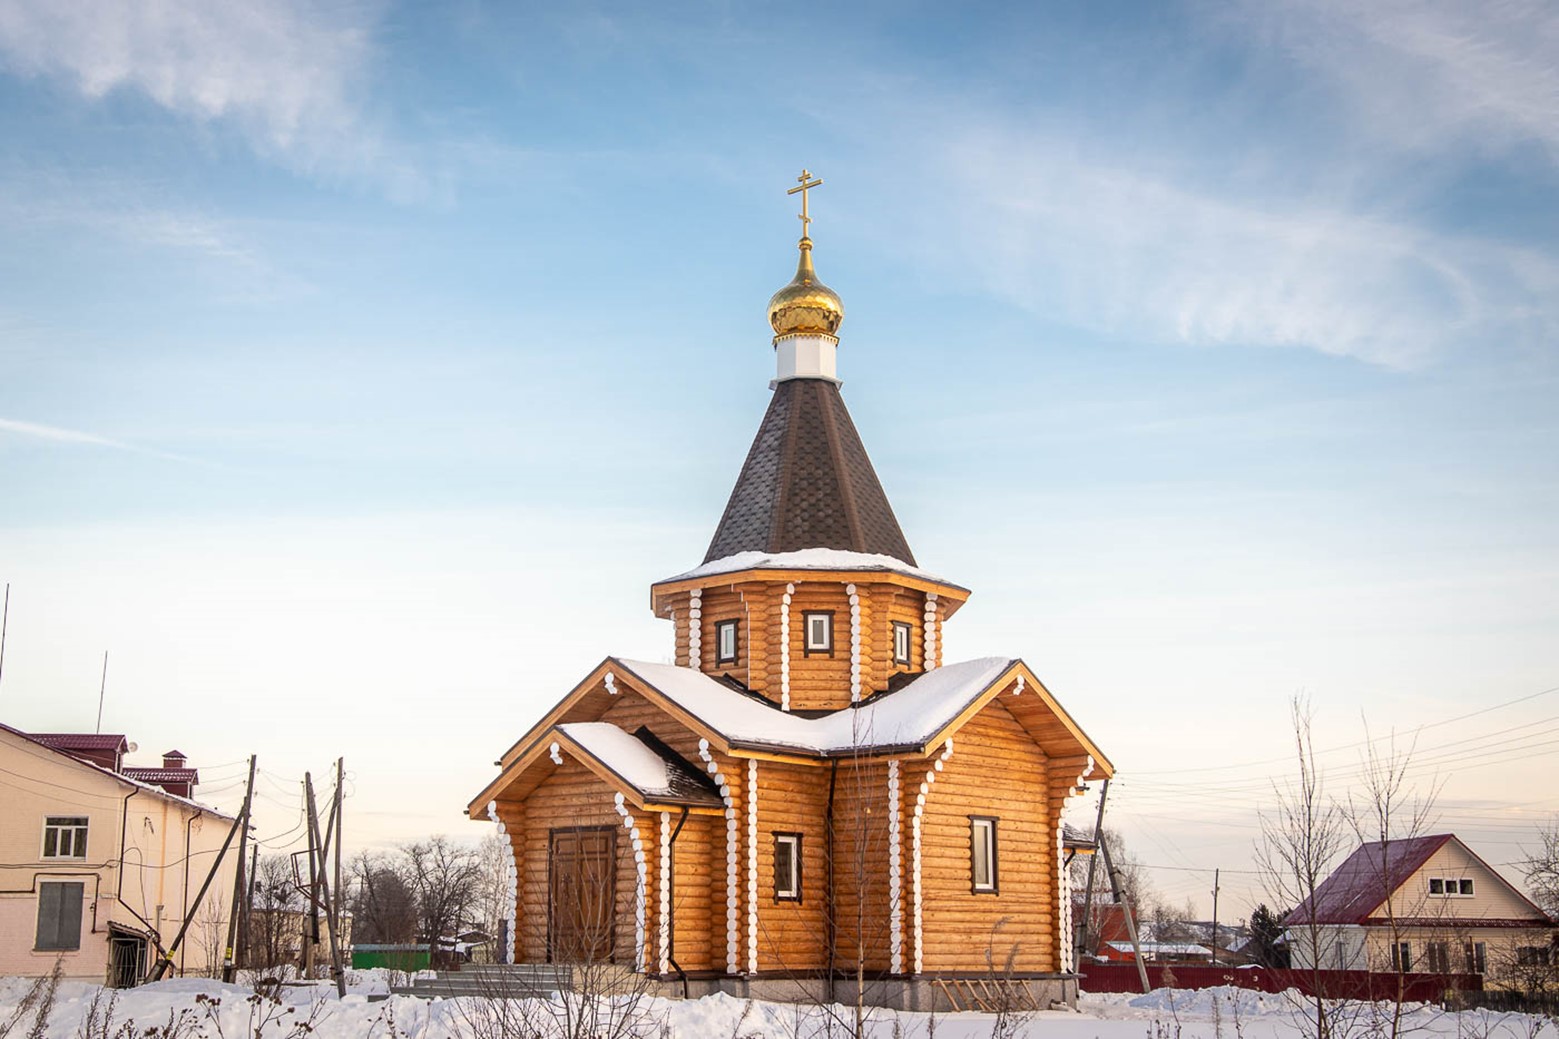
x=157 y=774
x=1364 y=880
x=81 y=740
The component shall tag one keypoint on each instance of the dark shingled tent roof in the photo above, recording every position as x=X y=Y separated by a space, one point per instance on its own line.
x=807 y=483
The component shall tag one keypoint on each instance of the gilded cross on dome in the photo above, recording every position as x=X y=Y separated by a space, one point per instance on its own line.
x=805 y=183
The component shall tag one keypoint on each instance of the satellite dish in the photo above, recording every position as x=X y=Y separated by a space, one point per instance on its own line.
x=133 y=747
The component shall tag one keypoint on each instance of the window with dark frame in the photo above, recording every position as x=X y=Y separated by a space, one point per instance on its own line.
x=1451 y=886
x=725 y=642
x=65 y=837
x=982 y=855
x=1401 y=957
x=787 y=867
x=817 y=631
x=1477 y=954
x=59 y=916
x=901 y=635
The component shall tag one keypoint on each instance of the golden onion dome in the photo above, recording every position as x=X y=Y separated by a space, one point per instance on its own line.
x=806 y=305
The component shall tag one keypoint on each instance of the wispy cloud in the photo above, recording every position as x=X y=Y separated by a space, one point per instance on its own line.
x=1429 y=75
x=59 y=435
x=1122 y=251
x=292 y=76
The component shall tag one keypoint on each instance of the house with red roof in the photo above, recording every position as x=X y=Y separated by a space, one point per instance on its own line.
x=1423 y=905
x=101 y=863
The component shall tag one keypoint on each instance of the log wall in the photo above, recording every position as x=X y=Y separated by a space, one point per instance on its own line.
x=793 y=936
x=860 y=865
x=573 y=796
x=995 y=770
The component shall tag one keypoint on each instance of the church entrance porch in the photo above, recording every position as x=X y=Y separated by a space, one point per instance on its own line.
x=581 y=873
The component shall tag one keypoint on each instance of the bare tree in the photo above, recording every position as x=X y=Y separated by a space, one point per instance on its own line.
x=275 y=919
x=1301 y=836
x=1542 y=869
x=1389 y=811
x=443 y=877
x=384 y=908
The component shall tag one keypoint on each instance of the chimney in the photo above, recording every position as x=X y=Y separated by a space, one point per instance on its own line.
x=173 y=759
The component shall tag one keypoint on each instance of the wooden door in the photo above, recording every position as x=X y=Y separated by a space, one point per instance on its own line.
x=582 y=887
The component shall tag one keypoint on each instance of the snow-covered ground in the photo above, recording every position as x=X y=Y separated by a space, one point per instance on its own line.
x=198 y=1009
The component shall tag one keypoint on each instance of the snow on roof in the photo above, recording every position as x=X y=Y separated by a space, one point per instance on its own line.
x=806 y=559
x=646 y=769
x=909 y=717
x=623 y=754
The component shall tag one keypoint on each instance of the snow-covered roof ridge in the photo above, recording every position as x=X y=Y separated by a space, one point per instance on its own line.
x=807 y=559
x=623 y=754
x=912 y=716
x=657 y=774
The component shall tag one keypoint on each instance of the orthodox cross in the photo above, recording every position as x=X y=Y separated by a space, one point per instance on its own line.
x=805 y=183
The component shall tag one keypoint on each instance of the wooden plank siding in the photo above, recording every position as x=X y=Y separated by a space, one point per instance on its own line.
x=961 y=927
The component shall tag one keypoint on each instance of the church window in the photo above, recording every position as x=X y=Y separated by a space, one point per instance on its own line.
x=819 y=625
x=787 y=867
x=65 y=837
x=982 y=854
x=725 y=642
x=900 y=642
x=59 y=916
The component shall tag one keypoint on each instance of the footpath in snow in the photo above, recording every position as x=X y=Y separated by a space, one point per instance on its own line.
x=190 y=1008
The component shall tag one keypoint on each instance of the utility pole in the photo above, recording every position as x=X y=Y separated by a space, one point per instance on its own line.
x=311 y=933
x=1126 y=911
x=101 y=689
x=1215 y=918
x=229 y=965
x=1080 y=946
x=244 y=921
x=336 y=908
x=166 y=961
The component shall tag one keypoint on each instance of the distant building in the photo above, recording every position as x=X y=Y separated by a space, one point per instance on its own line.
x=98 y=866
x=1427 y=905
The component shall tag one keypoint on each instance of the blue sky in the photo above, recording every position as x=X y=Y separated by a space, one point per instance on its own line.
x=361 y=364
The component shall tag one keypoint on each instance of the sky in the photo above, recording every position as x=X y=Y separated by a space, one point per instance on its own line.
x=362 y=364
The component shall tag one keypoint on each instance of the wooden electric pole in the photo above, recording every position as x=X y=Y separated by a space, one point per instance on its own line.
x=1080 y=946
x=1126 y=911
x=1215 y=918
x=336 y=913
x=311 y=932
x=229 y=964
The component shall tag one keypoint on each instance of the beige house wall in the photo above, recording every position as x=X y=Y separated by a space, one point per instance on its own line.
x=167 y=846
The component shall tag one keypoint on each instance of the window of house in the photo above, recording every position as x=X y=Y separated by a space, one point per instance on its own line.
x=65 y=837
x=1477 y=955
x=1401 y=957
x=787 y=867
x=1533 y=956
x=901 y=632
x=1437 y=957
x=982 y=854
x=819 y=627
x=59 y=916
x=725 y=642
x=1450 y=886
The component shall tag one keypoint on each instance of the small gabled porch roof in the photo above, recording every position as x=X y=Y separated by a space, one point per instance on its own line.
x=645 y=772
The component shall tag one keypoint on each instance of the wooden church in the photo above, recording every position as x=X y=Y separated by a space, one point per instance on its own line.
x=810 y=794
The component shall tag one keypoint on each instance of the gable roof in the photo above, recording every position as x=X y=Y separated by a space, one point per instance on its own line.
x=808 y=483
x=1361 y=885
x=1365 y=880
x=922 y=714
x=69 y=741
x=656 y=773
